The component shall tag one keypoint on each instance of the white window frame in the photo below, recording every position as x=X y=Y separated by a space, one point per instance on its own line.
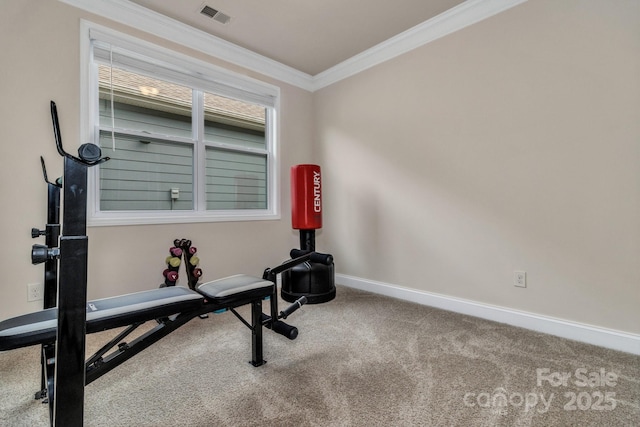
x=243 y=87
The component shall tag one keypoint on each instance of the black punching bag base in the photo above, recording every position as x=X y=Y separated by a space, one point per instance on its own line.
x=313 y=281
x=311 y=299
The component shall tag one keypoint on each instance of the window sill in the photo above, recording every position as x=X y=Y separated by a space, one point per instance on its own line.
x=169 y=217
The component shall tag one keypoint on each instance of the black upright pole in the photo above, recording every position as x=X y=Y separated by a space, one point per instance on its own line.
x=72 y=299
x=68 y=396
x=52 y=235
x=308 y=240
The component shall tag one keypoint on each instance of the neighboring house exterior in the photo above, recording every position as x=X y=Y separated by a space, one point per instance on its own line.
x=150 y=137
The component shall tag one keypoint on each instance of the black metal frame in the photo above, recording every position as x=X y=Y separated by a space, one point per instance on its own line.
x=72 y=285
x=116 y=351
x=66 y=370
x=52 y=234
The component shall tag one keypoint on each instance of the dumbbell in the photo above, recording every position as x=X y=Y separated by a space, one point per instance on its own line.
x=171 y=275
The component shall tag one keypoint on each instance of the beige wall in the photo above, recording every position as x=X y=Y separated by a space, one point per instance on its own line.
x=513 y=144
x=39 y=41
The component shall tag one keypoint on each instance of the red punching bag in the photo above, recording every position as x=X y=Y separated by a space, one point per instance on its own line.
x=306 y=197
x=313 y=280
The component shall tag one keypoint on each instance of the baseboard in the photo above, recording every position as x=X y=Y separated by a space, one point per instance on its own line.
x=603 y=337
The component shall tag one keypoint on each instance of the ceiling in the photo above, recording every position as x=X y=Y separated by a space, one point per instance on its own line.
x=310 y=36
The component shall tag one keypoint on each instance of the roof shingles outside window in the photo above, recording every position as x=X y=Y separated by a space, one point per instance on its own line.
x=136 y=89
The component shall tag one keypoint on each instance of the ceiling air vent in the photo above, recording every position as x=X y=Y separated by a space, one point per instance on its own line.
x=215 y=14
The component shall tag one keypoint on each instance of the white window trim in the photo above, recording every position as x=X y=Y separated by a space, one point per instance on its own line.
x=89 y=114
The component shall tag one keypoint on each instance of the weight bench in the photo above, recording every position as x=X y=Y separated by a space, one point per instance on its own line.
x=170 y=307
x=109 y=313
x=61 y=331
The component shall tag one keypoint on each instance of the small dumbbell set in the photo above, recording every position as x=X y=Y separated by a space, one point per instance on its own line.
x=67 y=318
x=182 y=248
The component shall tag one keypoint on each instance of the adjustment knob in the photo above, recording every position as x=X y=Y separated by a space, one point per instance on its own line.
x=42 y=253
x=89 y=152
x=37 y=233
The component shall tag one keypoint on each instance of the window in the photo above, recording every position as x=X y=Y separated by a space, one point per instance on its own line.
x=188 y=141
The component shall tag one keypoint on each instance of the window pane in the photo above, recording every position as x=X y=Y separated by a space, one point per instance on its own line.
x=144 y=104
x=141 y=174
x=229 y=121
x=235 y=180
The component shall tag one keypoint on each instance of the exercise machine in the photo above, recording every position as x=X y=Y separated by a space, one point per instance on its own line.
x=62 y=328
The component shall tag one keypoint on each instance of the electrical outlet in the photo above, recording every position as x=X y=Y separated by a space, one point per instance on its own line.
x=520 y=279
x=35 y=292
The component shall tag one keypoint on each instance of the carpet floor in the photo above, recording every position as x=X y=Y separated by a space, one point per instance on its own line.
x=360 y=360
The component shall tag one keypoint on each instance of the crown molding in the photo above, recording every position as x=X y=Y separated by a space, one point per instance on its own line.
x=141 y=18
x=131 y=14
x=454 y=19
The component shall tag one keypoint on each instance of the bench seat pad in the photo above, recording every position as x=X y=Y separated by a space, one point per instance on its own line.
x=233 y=289
x=107 y=313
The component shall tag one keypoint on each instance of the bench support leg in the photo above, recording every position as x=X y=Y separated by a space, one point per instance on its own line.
x=256 y=334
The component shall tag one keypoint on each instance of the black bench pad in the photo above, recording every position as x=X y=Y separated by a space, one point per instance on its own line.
x=40 y=327
x=236 y=290
x=107 y=313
